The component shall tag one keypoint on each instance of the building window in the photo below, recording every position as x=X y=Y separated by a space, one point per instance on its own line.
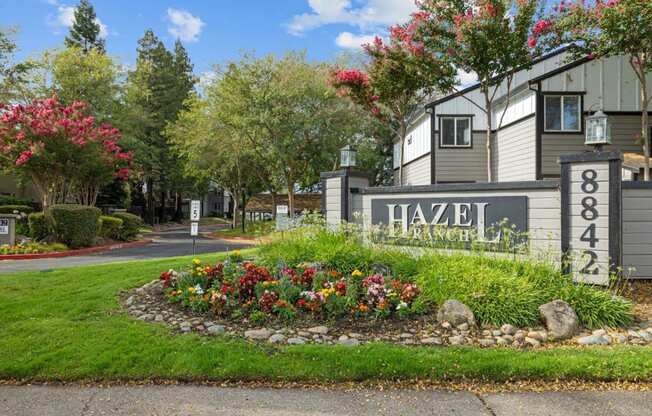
x=563 y=113
x=455 y=131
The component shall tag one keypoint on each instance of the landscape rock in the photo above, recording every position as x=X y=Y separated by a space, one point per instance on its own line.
x=431 y=341
x=258 y=334
x=532 y=342
x=321 y=330
x=593 y=340
x=216 y=329
x=456 y=340
x=456 y=313
x=560 y=319
x=487 y=342
x=296 y=341
x=508 y=329
x=350 y=342
x=276 y=338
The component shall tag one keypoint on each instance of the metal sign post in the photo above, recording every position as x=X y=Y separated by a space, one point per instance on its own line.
x=195 y=214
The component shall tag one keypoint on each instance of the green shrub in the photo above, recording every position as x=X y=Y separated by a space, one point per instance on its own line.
x=130 y=225
x=111 y=227
x=74 y=225
x=12 y=200
x=39 y=226
x=11 y=209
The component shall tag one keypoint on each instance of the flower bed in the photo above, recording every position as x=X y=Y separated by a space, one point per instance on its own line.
x=31 y=248
x=243 y=290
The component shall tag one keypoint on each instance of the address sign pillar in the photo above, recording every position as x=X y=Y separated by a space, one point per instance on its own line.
x=591 y=221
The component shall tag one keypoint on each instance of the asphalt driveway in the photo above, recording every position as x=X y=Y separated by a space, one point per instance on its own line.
x=204 y=400
x=169 y=243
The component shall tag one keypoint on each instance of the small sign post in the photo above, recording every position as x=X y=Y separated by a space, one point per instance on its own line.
x=8 y=229
x=282 y=220
x=195 y=214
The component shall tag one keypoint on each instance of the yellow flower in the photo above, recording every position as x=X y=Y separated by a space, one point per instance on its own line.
x=196 y=262
x=236 y=253
x=356 y=273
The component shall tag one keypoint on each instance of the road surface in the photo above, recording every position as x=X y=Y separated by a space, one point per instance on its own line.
x=169 y=243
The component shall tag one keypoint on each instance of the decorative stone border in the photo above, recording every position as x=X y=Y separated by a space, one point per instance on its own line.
x=78 y=252
x=148 y=304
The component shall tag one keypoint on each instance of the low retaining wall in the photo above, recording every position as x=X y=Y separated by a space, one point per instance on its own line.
x=590 y=221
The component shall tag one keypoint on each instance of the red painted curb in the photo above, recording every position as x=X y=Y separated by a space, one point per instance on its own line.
x=79 y=252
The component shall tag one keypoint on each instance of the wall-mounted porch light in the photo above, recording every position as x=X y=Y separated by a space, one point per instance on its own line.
x=598 y=130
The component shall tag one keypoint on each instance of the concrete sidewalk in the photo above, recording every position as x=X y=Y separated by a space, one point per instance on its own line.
x=203 y=400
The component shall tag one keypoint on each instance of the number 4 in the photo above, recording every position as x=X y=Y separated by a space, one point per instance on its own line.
x=589 y=236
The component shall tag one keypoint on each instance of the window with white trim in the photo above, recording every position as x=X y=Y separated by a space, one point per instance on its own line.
x=563 y=113
x=455 y=132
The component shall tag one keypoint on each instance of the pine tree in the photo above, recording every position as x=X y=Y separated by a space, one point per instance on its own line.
x=85 y=31
x=183 y=68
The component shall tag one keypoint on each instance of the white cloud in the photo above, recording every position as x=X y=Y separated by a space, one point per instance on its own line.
x=65 y=17
x=371 y=14
x=184 y=25
x=348 y=40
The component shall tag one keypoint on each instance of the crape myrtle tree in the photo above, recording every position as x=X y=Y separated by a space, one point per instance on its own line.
x=61 y=150
x=398 y=78
x=601 y=29
x=486 y=37
x=85 y=30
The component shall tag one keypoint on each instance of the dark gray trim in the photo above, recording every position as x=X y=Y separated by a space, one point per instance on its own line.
x=615 y=215
x=344 y=202
x=560 y=70
x=513 y=123
x=323 y=197
x=493 y=186
x=565 y=217
x=413 y=160
x=590 y=157
x=579 y=132
x=637 y=185
x=539 y=134
x=448 y=146
x=476 y=86
x=433 y=153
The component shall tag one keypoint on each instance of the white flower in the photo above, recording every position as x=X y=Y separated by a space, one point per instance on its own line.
x=199 y=290
x=401 y=305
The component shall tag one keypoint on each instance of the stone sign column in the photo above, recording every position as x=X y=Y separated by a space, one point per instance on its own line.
x=8 y=229
x=591 y=215
x=338 y=202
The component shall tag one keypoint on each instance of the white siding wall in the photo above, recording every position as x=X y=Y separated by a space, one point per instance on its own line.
x=637 y=232
x=416 y=173
x=544 y=214
x=417 y=141
x=333 y=201
x=514 y=152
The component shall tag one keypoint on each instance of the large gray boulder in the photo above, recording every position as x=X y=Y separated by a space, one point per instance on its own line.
x=560 y=319
x=456 y=313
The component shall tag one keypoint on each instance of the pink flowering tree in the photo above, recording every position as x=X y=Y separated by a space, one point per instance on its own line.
x=604 y=28
x=488 y=38
x=61 y=150
x=396 y=81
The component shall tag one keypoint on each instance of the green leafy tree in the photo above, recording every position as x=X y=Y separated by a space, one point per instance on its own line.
x=602 y=29
x=486 y=37
x=14 y=77
x=398 y=79
x=85 y=30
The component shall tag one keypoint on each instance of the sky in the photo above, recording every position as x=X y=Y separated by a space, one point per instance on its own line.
x=213 y=31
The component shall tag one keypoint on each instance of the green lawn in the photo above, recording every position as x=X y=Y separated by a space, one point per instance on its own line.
x=67 y=325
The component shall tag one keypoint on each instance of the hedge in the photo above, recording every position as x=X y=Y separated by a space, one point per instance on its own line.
x=111 y=227
x=12 y=200
x=10 y=209
x=74 y=225
x=130 y=225
x=39 y=226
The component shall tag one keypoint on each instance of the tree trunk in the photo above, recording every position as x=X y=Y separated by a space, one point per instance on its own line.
x=234 y=218
x=178 y=211
x=244 y=208
x=273 y=205
x=291 y=199
x=488 y=107
x=162 y=216
x=402 y=131
x=645 y=129
x=150 y=201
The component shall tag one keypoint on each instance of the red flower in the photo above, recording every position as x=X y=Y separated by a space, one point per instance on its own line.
x=24 y=157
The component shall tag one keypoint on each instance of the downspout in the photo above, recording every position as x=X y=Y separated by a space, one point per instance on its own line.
x=538 y=116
